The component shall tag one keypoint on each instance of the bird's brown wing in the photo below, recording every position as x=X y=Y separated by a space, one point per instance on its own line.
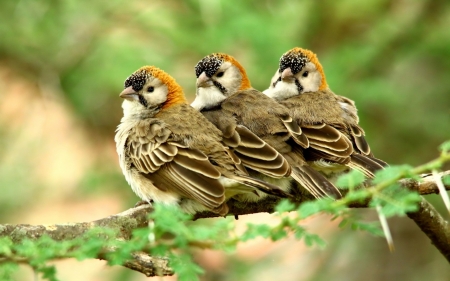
x=328 y=142
x=271 y=121
x=171 y=166
x=253 y=152
x=359 y=140
x=263 y=115
x=259 y=156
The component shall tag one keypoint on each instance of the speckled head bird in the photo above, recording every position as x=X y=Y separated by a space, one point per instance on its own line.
x=170 y=153
x=330 y=122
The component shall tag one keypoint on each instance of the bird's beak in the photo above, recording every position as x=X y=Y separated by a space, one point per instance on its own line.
x=203 y=80
x=129 y=94
x=287 y=74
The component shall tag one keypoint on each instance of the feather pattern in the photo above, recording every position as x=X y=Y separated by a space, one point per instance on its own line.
x=271 y=124
x=331 y=124
x=186 y=171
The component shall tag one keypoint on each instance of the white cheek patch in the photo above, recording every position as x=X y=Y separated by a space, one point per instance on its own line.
x=311 y=83
x=207 y=97
x=158 y=97
x=283 y=90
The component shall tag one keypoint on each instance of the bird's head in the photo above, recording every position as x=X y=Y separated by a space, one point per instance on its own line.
x=299 y=72
x=218 y=77
x=149 y=89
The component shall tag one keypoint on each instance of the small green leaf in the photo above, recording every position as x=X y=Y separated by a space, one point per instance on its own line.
x=278 y=234
x=446 y=180
x=284 y=206
x=371 y=227
x=358 y=195
x=350 y=180
x=343 y=223
x=185 y=267
x=309 y=208
x=7 y=269
x=299 y=232
x=256 y=230
x=392 y=173
x=49 y=273
x=5 y=246
x=445 y=147
x=313 y=239
x=396 y=200
x=160 y=250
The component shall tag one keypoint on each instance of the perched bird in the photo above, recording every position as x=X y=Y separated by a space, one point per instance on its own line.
x=330 y=122
x=225 y=96
x=170 y=153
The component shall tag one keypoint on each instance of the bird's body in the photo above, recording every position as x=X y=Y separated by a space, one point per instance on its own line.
x=170 y=153
x=225 y=97
x=330 y=122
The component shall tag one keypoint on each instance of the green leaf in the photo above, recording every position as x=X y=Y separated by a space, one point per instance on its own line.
x=350 y=180
x=27 y=248
x=343 y=223
x=278 y=234
x=309 y=208
x=49 y=273
x=371 y=227
x=256 y=230
x=93 y=242
x=396 y=200
x=284 y=206
x=185 y=267
x=5 y=246
x=445 y=147
x=160 y=250
x=169 y=219
x=7 y=269
x=392 y=173
x=446 y=180
x=313 y=239
x=358 y=195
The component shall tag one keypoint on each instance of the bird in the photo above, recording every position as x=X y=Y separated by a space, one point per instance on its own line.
x=225 y=97
x=331 y=123
x=171 y=154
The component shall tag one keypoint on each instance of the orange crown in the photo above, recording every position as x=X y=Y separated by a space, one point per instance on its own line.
x=245 y=84
x=175 y=93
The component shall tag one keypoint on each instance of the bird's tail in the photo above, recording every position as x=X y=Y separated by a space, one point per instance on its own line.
x=260 y=185
x=313 y=181
x=365 y=164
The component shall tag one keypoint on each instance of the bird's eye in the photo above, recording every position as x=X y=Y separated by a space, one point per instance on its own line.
x=150 y=89
x=305 y=74
x=220 y=74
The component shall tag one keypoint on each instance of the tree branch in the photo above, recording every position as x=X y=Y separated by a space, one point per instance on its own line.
x=427 y=218
x=434 y=226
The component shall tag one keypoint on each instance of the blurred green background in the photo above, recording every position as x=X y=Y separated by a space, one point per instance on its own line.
x=63 y=63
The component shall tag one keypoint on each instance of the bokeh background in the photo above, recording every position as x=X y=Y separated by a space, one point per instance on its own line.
x=63 y=63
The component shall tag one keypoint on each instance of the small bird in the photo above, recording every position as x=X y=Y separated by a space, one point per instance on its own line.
x=225 y=97
x=171 y=154
x=330 y=122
